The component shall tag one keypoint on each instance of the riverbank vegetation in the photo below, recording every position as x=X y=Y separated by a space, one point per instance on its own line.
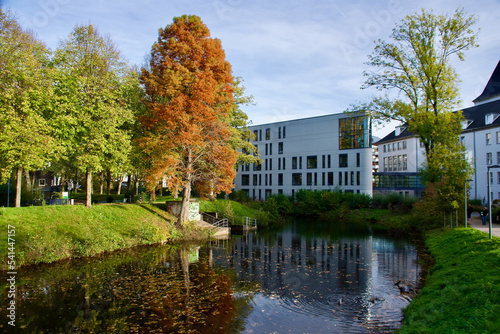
x=50 y=233
x=462 y=292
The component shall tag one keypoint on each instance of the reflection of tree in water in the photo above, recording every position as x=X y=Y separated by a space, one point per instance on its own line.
x=156 y=293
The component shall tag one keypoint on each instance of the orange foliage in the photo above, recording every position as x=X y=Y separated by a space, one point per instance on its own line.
x=190 y=93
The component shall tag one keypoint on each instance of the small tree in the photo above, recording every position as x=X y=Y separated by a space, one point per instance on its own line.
x=189 y=88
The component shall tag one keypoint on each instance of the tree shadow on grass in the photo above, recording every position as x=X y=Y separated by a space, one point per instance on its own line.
x=161 y=207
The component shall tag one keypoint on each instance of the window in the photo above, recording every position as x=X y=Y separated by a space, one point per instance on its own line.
x=323 y=161
x=266 y=164
x=404 y=145
x=270 y=164
x=498 y=137
x=343 y=160
x=488 y=139
x=488 y=159
x=352 y=178
x=330 y=178
x=294 y=163
x=279 y=163
x=340 y=178
x=394 y=146
x=309 y=179
x=323 y=179
x=257 y=166
x=385 y=148
x=41 y=182
x=358 y=178
x=358 y=160
x=312 y=162
x=266 y=179
x=280 y=179
x=498 y=177
x=268 y=134
x=267 y=149
x=385 y=164
x=399 y=146
x=394 y=164
x=354 y=132
x=389 y=159
x=400 y=163
x=283 y=164
x=388 y=147
x=296 y=179
x=255 y=180
x=498 y=158
x=329 y=161
x=280 y=148
x=270 y=149
x=405 y=162
x=260 y=182
x=346 y=178
x=284 y=132
x=462 y=140
x=245 y=180
x=300 y=162
x=279 y=132
x=260 y=136
x=270 y=179
x=256 y=135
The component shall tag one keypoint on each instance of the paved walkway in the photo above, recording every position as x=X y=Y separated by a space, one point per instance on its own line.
x=476 y=222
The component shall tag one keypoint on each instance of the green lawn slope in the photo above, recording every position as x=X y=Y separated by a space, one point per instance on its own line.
x=462 y=292
x=50 y=233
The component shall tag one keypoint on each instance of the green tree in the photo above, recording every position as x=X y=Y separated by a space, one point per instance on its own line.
x=189 y=87
x=90 y=102
x=420 y=85
x=26 y=137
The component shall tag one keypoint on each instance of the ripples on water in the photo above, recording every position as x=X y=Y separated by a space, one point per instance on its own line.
x=307 y=277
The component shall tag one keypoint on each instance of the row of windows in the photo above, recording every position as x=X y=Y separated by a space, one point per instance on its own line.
x=344 y=178
x=269 y=148
x=396 y=163
x=400 y=145
x=489 y=158
x=311 y=163
x=488 y=138
x=258 y=133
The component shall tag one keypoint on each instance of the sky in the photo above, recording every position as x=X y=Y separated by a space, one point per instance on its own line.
x=298 y=58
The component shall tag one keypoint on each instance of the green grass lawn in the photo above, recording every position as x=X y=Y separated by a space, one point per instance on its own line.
x=462 y=292
x=50 y=233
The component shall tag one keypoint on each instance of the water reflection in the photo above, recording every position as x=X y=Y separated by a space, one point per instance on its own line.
x=320 y=277
x=307 y=277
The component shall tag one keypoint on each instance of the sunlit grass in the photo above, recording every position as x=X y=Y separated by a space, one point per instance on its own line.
x=462 y=293
x=50 y=233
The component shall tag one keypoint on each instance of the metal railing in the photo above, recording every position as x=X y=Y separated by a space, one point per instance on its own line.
x=248 y=222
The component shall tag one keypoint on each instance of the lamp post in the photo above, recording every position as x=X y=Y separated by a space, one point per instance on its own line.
x=465 y=199
x=489 y=195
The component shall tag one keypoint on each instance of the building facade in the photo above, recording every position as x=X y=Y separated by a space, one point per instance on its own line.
x=317 y=153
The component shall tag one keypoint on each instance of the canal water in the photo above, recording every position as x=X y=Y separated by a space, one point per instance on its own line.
x=307 y=276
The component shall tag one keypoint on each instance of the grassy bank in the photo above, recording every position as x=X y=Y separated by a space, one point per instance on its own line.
x=50 y=233
x=234 y=210
x=462 y=292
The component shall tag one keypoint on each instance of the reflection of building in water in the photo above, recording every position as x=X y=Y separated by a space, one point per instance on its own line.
x=320 y=270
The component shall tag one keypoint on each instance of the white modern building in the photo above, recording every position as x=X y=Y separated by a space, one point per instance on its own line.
x=317 y=153
x=401 y=154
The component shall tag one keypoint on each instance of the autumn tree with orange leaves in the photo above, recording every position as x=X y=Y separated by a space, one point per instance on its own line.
x=189 y=93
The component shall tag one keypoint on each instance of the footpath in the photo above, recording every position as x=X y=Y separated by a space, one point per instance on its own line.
x=475 y=222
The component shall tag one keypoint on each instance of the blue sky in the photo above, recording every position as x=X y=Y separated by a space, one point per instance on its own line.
x=298 y=58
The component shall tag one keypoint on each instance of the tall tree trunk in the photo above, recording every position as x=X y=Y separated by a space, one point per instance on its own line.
x=18 y=186
x=136 y=185
x=108 y=182
x=129 y=180
x=32 y=178
x=28 y=179
x=88 y=201
x=186 y=195
x=101 y=180
x=120 y=179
